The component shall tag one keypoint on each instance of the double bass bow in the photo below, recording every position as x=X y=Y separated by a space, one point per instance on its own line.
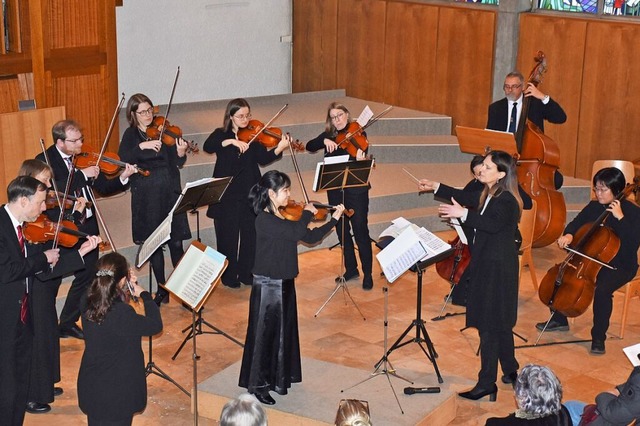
x=537 y=164
x=569 y=287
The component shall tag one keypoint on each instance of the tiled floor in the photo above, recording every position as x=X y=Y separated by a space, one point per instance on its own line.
x=340 y=335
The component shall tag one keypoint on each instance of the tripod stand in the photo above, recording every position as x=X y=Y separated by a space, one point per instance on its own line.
x=384 y=365
x=421 y=331
x=151 y=367
x=196 y=328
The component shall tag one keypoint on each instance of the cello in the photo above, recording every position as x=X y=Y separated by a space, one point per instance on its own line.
x=569 y=287
x=538 y=162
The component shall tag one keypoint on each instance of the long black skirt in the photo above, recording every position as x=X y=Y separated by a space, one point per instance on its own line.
x=271 y=358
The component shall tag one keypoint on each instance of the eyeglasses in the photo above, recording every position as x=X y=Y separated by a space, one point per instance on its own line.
x=600 y=190
x=242 y=116
x=511 y=86
x=338 y=116
x=148 y=111
x=80 y=139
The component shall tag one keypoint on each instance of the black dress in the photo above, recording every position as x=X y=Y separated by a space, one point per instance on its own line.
x=153 y=196
x=112 y=383
x=233 y=217
x=271 y=358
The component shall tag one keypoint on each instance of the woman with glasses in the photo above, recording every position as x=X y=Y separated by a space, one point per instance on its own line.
x=233 y=217
x=624 y=220
x=153 y=196
x=356 y=198
x=112 y=384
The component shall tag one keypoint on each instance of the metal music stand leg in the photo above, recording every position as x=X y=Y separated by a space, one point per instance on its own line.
x=342 y=283
x=384 y=365
x=421 y=332
x=444 y=306
x=551 y=343
x=151 y=367
x=197 y=329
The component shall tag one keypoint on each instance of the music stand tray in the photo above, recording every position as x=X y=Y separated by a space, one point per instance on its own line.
x=480 y=141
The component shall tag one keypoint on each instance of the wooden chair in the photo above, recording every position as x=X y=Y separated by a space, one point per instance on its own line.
x=527 y=222
x=632 y=288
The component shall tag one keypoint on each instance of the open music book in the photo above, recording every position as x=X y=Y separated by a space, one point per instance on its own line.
x=196 y=275
x=633 y=353
x=411 y=244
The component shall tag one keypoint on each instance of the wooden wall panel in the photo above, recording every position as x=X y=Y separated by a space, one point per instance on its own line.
x=314 y=45
x=20 y=133
x=563 y=42
x=9 y=94
x=360 y=48
x=74 y=23
x=609 y=127
x=465 y=64
x=410 y=61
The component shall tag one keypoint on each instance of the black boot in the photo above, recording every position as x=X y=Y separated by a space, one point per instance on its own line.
x=477 y=392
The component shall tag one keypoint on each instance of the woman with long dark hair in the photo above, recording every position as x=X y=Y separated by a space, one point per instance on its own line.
x=492 y=300
x=112 y=383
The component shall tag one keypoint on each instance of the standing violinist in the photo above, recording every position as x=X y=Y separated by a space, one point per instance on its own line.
x=68 y=141
x=492 y=302
x=624 y=220
x=502 y=116
x=233 y=217
x=153 y=196
x=356 y=198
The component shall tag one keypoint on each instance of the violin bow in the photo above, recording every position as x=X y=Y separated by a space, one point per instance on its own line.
x=92 y=196
x=55 y=188
x=269 y=122
x=370 y=122
x=110 y=129
x=166 y=115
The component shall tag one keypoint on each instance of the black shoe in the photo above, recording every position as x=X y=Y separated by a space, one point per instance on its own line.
x=71 y=331
x=553 y=326
x=246 y=280
x=367 y=282
x=265 y=398
x=510 y=378
x=162 y=296
x=57 y=391
x=37 y=408
x=477 y=392
x=231 y=284
x=349 y=275
x=597 y=347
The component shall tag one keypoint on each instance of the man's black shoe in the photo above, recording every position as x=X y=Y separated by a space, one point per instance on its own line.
x=57 y=391
x=71 y=331
x=367 y=282
x=597 y=347
x=553 y=326
x=37 y=408
x=349 y=275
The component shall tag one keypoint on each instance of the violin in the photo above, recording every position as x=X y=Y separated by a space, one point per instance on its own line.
x=52 y=200
x=43 y=230
x=569 y=287
x=161 y=129
x=134 y=301
x=268 y=137
x=352 y=137
x=109 y=164
x=452 y=268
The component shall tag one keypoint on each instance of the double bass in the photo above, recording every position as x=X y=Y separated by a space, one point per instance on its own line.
x=537 y=164
x=569 y=287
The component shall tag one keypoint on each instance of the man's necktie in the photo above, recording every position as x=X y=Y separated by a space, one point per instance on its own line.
x=24 y=304
x=514 y=117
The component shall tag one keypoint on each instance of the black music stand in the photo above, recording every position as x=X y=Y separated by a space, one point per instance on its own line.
x=421 y=331
x=339 y=176
x=192 y=199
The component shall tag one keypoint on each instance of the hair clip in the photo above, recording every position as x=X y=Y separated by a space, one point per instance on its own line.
x=104 y=273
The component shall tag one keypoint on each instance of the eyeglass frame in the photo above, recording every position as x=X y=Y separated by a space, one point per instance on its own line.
x=511 y=87
x=338 y=116
x=80 y=139
x=243 y=116
x=601 y=190
x=147 y=112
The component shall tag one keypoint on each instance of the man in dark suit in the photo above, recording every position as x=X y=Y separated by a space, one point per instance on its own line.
x=504 y=114
x=19 y=264
x=68 y=140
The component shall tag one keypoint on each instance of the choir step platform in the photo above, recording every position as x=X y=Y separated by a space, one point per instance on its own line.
x=315 y=400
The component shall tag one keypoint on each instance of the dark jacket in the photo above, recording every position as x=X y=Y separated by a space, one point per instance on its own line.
x=538 y=113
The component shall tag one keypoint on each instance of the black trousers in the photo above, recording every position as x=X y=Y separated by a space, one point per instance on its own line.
x=236 y=239
x=607 y=282
x=495 y=346
x=176 y=251
x=358 y=200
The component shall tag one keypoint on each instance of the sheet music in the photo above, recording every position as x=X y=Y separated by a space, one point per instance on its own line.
x=195 y=274
x=160 y=236
x=633 y=353
x=401 y=254
x=365 y=116
x=433 y=244
x=455 y=222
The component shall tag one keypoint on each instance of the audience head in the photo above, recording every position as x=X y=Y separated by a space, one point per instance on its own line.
x=237 y=115
x=353 y=412
x=538 y=391
x=245 y=410
x=268 y=185
x=109 y=282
